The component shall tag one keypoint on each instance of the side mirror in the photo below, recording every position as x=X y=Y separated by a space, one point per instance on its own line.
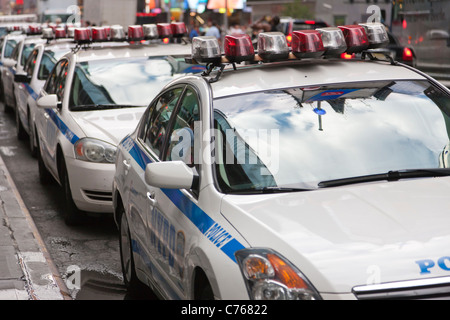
x=25 y=78
x=49 y=101
x=9 y=63
x=170 y=175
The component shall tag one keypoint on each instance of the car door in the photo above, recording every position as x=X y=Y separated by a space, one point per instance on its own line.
x=170 y=229
x=50 y=121
x=148 y=147
x=22 y=105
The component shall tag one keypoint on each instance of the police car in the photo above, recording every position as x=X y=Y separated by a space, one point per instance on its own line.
x=294 y=176
x=93 y=97
x=9 y=42
x=16 y=62
x=29 y=81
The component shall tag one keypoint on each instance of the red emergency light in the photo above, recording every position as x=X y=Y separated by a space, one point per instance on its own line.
x=178 y=29
x=99 y=34
x=60 y=33
x=307 y=44
x=135 y=33
x=238 y=48
x=164 y=30
x=81 y=35
x=355 y=38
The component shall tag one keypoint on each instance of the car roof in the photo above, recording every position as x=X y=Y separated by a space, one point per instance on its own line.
x=122 y=51
x=275 y=76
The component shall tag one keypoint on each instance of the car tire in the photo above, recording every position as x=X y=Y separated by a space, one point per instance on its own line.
x=130 y=278
x=72 y=215
x=20 y=130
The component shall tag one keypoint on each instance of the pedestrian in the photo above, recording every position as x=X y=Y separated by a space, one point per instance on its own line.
x=275 y=24
x=195 y=32
x=213 y=30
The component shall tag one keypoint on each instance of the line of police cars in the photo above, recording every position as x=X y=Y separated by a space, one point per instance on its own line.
x=280 y=174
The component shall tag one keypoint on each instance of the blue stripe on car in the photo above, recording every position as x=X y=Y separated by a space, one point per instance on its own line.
x=193 y=212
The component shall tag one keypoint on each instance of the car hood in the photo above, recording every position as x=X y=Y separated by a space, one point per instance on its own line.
x=110 y=125
x=355 y=235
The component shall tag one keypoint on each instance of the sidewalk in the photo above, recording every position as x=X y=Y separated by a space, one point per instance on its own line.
x=26 y=269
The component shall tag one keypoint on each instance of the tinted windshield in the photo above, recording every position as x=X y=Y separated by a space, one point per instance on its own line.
x=130 y=82
x=300 y=136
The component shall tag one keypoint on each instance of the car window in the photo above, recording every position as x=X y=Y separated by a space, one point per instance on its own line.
x=159 y=118
x=27 y=49
x=300 y=137
x=47 y=64
x=181 y=137
x=9 y=47
x=31 y=63
x=15 y=52
x=61 y=80
x=50 y=86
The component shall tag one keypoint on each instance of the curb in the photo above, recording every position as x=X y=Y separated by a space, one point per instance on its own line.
x=40 y=274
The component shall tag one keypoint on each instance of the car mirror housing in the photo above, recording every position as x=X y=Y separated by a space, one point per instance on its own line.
x=48 y=101
x=170 y=175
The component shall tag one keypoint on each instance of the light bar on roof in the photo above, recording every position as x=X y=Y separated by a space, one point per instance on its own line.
x=238 y=48
x=164 y=30
x=135 y=33
x=272 y=46
x=307 y=44
x=333 y=40
x=206 y=49
x=376 y=34
x=99 y=34
x=60 y=33
x=355 y=38
x=178 y=29
x=47 y=33
x=117 y=33
x=150 y=31
x=82 y=35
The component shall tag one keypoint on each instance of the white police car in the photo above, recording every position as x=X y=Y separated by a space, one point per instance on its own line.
x=301 y=179
x=29 y=81
x=9 y=42
x=16 y=62
x=93 y=97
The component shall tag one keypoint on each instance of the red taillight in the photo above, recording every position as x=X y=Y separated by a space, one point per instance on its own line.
x=407 y=54
x=238 y=48
x=355 y=38
x=307 y=44
x=289 y=38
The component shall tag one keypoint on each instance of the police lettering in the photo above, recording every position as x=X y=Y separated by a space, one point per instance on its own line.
x=427 y=264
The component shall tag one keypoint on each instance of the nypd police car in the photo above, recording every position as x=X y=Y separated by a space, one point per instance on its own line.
x=294 y=176
x=93 y=97
x=29 y=81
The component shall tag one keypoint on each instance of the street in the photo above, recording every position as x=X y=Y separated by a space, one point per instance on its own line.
x=92 y=247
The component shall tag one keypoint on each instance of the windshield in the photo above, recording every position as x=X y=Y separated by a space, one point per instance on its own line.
x=298 y=137
x=9 y=48
x=124 y=82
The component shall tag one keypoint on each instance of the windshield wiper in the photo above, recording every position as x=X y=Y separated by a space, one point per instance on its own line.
x=388 y=176
x=90 y=107
x=268 y=190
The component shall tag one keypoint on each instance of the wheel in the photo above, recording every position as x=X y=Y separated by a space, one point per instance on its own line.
x=72 y=215
x=32 y=136
x=20 y=130
x=44 y=175
x=203 y=289
x=126 y=255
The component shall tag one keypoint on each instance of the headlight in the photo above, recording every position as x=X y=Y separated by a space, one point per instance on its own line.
x=94 y=150
x=268 y=276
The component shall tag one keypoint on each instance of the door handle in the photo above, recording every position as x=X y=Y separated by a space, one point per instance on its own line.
x=126 y=163
x=151 y=197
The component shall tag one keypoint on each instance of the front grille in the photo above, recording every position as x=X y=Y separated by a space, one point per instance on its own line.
x=426 y=289
x=98 y=195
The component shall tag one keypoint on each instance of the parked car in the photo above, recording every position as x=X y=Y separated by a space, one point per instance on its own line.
x=288 y=179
